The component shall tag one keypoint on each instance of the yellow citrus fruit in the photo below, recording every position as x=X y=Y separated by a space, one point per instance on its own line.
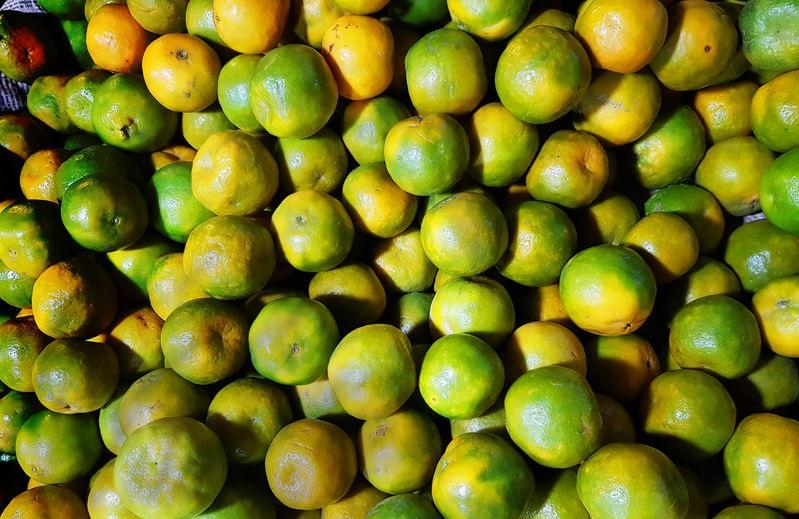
x=243 y=26
x=160 y=16
x=618 y=108
x=760 y=252
x=103 y=499
x=401 y=263
x=552 y=17
x=360 y=6
x=696 y=206
x=361 y=498
x=538 y=344
x=360 y=52
x=570 y=170
x=666 y=242
x=316 y=162
x=773 y=120
x=621 y=367
x=607 y=219
x=234 y=174
x=376 y=204
x=37 y=177
x=310 y=464
x=115 y=40
x=312 y=18
x=365 y=125
x=352 y=292
x=541 y=304
x=621 y=36
x=775 y=307
x=491 y=20
x=168 y=286
x=700 y=43
x=45 y=501
x=21 y=342
x=725 y=109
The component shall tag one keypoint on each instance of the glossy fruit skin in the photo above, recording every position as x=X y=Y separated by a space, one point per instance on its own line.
x=352 y=292
x=770 y=36
x=702 y=337
x=234 y=23
x=317 y=162
x=775 y=122
x=306 y=99
x=233 y=89
x=545 y=53
x=694 y=205
x=404 y=506
x=174 y=210
x=666 y=242
x=779 y=192
x=492 y=20
x=47 y=102
x=538 y=344
x=655 y=490
x=481 y=475
x=31 y=238
x=760 y=252
x=365 y=125
x=377 y=205
x=21 y=341
x=46 y=501
x=759 y=459
x=775 y=309
x=726 y=109
x=26 y=47
x=621 y=367
x=553 y=416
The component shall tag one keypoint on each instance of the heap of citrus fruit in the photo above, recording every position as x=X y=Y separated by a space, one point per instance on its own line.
x=400 y=259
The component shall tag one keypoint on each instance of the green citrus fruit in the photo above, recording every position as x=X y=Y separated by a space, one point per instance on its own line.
x=315 y=162
x=760 y=252
x=694 y=205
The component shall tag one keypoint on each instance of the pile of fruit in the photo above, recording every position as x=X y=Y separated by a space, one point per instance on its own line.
x=400 y=259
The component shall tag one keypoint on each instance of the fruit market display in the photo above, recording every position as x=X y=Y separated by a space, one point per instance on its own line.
x=399 y=259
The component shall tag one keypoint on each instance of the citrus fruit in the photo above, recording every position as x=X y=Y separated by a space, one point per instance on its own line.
x=773 y=113
x=352 y=292
x=15 y=409
x=233 y=90
x=127 y=116
x=21 y=342
x=200 y=21
x=47 y=102
x=410 y=314
x=670 y=150
x=37 y=176
x=700 y=43
x=492 y=20
x=376 y=384
x=229 y=257
x=571 y=170
x=621 y=367
x=291 y=340
x=404 y=506
x=293 y=93
x=21 y=135
x=318 y=400
x=617 y=424
x=748 y=512
x=360 y=6
x=130 y=267
x=239 y=499
x=73 y=376
x=401 y=263
x=716 y=334
x=492 y=421
x=16 y=289
x=481 y=475
x=555 y=496
x=96 y=160
x=759 y=461
x=246 y=415
x=461 y=376
x=115 y=40
x=694 y=205
x=58 y=448
x=360 y=52
x=376 y=204
x=541 y=304
x=365 y=125
x=607 y=219
x=172 y=467
x=779 y=192
x=759 y=252
x=707 y=277
x=103 y=498
x=256 y=302
x=198 y=126
x=538 y=344
x=770 y=37
x=316 y=162
x=465 y=234
x=774 y=306
x=427 y=154
x=553 y=416
x=475 y=305
x=313 y=230
x=174 y=211
x=74 y=298
x=234 y=174
x=732 y=170
x=310 y=464
x=356 y=502
x=725 y=110
x=160 y=394
x=404 y=38
x=168 y=286
x=542 y=74
x=398 y=453
x=621 y=36
x=688 y=413
x=618 y=108
x=607 y=290
x=502 y=147
x=311 y=19
x=159 y=16
x=31 y=237
x=30 y=48
x=104 y=213
x=45 y=501
x=772 y=385
x=542 y=239
x=445 y=73
x=666 y=242
x=655 y=490
x=233 y=20
x=110 y=429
